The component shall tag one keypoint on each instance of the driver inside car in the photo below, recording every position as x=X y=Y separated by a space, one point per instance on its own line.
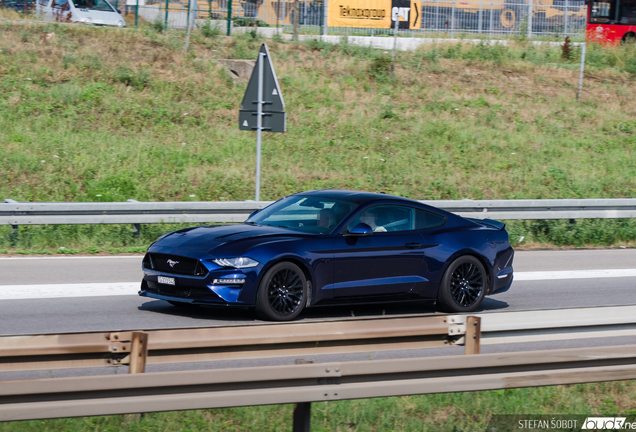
x=370 y=217
x=325 y=218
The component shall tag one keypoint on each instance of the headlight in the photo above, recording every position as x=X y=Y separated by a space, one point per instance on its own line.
x=240 y=262
x=88 y=21
x=121 y=24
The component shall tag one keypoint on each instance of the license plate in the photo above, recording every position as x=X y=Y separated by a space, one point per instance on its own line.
x=165 y=280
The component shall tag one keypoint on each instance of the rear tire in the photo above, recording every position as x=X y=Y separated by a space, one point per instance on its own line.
x=282 y=294
x=463 y=286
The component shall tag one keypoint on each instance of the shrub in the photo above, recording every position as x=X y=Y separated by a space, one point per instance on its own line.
x=210 y=30
x=380 y=66
x=158 y=25
x=129 y=77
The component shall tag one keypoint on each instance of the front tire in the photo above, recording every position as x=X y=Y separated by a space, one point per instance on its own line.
x=463 y=286
x=282 y=294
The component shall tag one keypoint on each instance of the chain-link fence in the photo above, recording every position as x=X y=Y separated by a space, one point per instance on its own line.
x=450 y=18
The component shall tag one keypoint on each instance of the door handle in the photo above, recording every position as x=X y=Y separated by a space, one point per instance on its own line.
x=413 y=245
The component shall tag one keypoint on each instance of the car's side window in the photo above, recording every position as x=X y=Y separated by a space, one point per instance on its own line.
x=425 y=219
x=386 y=218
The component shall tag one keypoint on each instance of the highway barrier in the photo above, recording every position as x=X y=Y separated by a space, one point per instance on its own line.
x=305 y=383
x=167 y=346
x=133 y=212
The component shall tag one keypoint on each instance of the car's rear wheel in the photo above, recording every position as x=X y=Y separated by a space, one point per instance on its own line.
x=282 y=293
x=463 y=286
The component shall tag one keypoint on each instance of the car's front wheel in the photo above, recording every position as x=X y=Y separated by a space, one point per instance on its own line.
x=463 y=286
x=282 y=293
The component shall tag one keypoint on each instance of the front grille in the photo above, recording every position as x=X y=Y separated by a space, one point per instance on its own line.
x=184 y=292
x=174 y=264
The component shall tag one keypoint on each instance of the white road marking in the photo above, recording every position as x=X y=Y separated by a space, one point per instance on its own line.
x=139 y=257
x=573 y=274
x=20 y=292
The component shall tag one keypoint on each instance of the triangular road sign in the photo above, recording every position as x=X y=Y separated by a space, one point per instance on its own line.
x=272 y=96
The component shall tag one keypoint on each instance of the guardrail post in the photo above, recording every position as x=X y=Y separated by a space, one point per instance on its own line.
x=136 y=230
x=473 y=335
x=15 y=234
x=302 y=417
x=138 y=353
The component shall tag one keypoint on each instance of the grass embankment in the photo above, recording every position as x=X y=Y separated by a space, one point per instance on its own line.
x=456 y=412
x=97 y=114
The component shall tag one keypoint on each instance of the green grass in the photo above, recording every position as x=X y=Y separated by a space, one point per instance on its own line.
x=452 y=412
x=97 y=114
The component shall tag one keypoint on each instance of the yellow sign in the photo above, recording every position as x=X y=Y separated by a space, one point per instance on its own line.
x=415 y=19
x=359 y=13
x=375 y=13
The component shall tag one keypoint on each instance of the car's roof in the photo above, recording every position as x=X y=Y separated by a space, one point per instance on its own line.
x=356 y=197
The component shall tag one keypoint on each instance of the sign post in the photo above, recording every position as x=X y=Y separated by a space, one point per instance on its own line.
x=263 y=108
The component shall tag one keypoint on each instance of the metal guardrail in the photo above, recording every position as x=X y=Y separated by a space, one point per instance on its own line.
x=555 y=325
x=258 y=341
x=306 y=383
x=133 y=212
x=167 y=346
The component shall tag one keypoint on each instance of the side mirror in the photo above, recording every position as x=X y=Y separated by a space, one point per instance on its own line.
x=361 y=230
x=119 y=11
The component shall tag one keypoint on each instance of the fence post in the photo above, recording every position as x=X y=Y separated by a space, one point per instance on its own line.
x=302 y=417
x=480 y=19
x=452 y=23
x=490 y=19
x=137 y=14
x=436 y=15
x=296 y=17
x=166 y=19
x=565 y=19
x=395 y=33
x=578 y=94
x=188 y=25
x=530 y=13
x=473 y=335
x=229 y=17
x=325 y=9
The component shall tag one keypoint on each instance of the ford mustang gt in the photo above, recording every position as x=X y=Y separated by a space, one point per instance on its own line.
x=331 y=247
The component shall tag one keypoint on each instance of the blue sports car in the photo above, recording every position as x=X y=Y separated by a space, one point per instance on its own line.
x=330 y=247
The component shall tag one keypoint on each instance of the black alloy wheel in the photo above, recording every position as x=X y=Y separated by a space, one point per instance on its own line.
x=463 y=286
x=283 y=293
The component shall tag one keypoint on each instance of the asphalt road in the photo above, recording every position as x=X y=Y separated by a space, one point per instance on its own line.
x=545 y=280
x=120 y=312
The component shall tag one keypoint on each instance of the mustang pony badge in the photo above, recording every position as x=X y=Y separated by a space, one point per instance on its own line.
x=172 y=263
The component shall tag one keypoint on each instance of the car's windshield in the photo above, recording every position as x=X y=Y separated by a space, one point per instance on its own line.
x=97 y=5
x=309 y=214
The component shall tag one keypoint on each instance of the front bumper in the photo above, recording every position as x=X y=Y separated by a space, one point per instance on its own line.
x=213 y=288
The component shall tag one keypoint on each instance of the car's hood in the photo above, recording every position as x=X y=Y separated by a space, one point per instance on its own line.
x=203 y=240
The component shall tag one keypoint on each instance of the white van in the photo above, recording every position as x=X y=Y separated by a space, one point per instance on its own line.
x=97 y=12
